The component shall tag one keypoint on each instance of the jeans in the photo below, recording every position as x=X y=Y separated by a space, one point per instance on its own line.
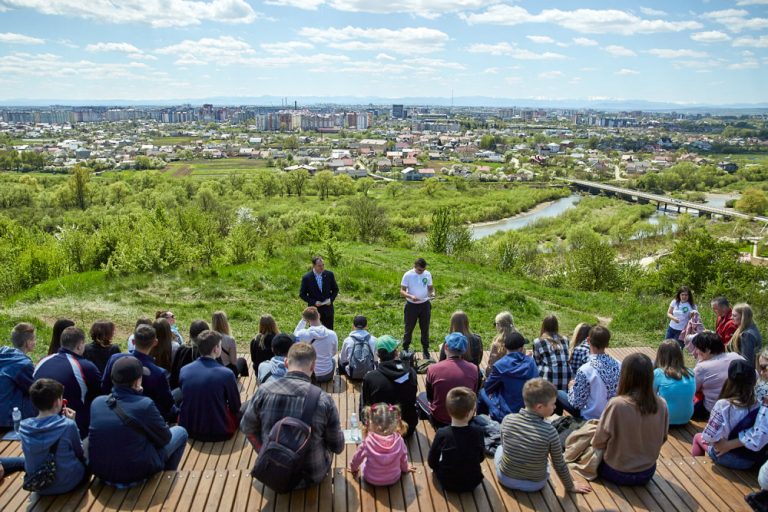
x=319 y=379
x=174 y=450
x=562 y=401
x=730 y=460
x=412 y=313
x=12 y=464
x=672 y=334
x=514 y=483
x=606 y=472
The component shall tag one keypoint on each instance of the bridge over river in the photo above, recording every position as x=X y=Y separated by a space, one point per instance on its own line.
x=664 y=202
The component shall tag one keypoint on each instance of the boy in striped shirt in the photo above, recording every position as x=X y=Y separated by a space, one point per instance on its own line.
x=527 y=440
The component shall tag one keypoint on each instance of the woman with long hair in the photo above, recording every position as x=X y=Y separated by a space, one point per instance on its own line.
x=579 y=346
x=550 y=351
x=163 y=351
x=674 y=382
x=220 y=324
x=261 y=345
x=505 y=326
x=460 y=323
x=58 y=328
x=679 y=312
x=747 y=340
x=100 y=349
x=633 y=426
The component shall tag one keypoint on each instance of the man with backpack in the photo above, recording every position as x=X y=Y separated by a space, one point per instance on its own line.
x=358 y=352
x=303 y=412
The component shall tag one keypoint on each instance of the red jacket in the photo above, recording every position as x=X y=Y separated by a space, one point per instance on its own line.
x=725 y=327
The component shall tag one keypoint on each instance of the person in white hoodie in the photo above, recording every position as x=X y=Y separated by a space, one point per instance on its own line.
x=322 y=339
x=275 y=368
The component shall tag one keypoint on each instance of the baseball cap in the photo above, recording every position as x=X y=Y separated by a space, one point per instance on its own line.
x=387 y=342
x=456 y=342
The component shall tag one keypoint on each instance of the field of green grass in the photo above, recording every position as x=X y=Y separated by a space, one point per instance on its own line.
x=222 y=167
x=369 y=279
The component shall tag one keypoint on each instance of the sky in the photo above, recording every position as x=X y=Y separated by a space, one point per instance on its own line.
x=684 y=51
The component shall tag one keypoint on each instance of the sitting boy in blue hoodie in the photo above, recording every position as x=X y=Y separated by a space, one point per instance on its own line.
x=54 y=425
x=275 y=368
x=503 y=390
x=16 y=369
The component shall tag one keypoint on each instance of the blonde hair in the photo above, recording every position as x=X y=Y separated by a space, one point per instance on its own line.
x=220 y=323
x=505 y=325
x=580 y=333
x=745 y=314
x=383 y=419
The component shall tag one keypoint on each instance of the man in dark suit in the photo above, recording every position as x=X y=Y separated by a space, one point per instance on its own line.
x=319 y=289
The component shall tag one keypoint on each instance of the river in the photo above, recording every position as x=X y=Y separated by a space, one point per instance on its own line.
x=555 y=208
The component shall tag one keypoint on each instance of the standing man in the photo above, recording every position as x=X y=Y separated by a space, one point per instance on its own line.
x=319 y=289
x=417 y=289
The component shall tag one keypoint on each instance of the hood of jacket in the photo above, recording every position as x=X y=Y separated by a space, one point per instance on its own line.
x=12 y=357
x=277 y=366
x=516 y=365
x=39 y=435
x=317 y=331
x=394 y=370
x=383 y=447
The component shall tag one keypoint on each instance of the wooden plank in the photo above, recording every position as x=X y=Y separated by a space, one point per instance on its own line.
x=230 y=489
x=694 y=489
x=726 y=488
x=207 y=478
x=679 y=502
x=176 y=491
x=219 y=479
x=243 y=497
x=148 y=490
x=11 y=486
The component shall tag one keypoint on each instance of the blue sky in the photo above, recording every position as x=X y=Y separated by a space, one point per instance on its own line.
x=713 y=52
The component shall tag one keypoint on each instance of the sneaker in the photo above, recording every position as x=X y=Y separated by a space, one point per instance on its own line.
x=425 y=354
x=758 y=500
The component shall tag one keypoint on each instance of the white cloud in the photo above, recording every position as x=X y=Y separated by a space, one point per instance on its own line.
x=627 y=72
x=157 y=13
x=737 y=20
x=513 y=51
x=541 y=39
x=423 y=8
x=513 y=80
x=48 y=65
x=666 y=53
x=491 y=71
x=422 y=62
x=619 y=51
x=403 y=41
x=112 y=47
x=384 y=56
x=13 y=38
x=652 y=12
x=584 y=41
x=745 y=64
x=587 y=21
x=286 y=47
x=711 y=36
x=549 y=75
x=754 y=42
x=752 y=2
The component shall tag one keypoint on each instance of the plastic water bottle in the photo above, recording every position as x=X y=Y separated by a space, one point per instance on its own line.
x=355 y=426
x=16 y=416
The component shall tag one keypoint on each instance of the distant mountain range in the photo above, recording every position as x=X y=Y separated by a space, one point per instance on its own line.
x=459 y=101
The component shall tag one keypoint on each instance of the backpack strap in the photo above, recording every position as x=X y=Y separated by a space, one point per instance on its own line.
x=130 y=422
x=265 y=378
x=311 y=401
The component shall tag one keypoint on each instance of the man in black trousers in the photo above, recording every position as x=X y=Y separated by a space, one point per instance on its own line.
x=417 y=289
x=319 y=289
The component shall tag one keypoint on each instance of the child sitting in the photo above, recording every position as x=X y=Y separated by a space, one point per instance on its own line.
x=382 y=455
x=730 y=415
x=52 y=432
x=458 y=450
x=673 y=382
x=527 y=441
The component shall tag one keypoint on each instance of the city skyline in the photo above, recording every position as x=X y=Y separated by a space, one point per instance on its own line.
x=701 y=52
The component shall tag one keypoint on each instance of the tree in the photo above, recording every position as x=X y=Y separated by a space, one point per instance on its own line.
x=297 y=180
x=488 y=142
x=364 y=185
x=432 y=186
x=592 y=261
x=753 y=201
x=368 y=217
x=447 y=233
x=324 y=182
x=291 y=142
x=78 y=184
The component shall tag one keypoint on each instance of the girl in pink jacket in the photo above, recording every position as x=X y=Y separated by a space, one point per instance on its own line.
x=382 y=455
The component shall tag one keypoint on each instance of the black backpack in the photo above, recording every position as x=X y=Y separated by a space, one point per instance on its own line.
x=361 y=361
x=280 y=465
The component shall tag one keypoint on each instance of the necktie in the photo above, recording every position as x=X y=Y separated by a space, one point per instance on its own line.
x=319 y=279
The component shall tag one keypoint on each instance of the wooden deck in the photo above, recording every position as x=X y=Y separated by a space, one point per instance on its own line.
x=215 y=476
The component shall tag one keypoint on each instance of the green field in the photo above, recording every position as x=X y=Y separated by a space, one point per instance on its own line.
x=368 y=277
x=220 y=167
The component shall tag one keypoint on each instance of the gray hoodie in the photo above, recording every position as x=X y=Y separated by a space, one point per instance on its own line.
x=275 y=368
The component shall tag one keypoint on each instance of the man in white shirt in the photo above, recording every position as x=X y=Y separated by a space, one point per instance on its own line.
x=417 y=289
x=322 y=339
x=360 y=323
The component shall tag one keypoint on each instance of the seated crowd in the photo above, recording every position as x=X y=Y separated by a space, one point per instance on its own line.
x=102 y=412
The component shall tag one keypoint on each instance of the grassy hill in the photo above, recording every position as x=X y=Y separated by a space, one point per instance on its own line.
x=369 y=278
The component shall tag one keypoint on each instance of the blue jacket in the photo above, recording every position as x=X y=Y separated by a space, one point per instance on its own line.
x=16 y=371
x=211 y=404
x=117 y=453
x=155 y=384
x=80 y=378
x=37 y=437
x=505 y=384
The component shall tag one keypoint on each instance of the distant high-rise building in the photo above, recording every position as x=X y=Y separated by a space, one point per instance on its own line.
x=398 y=112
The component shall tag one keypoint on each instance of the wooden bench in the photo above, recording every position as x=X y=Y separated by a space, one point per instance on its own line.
x=216 y=476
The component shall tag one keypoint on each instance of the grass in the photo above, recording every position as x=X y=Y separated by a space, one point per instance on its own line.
x=222 y=167
x=368 y=277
